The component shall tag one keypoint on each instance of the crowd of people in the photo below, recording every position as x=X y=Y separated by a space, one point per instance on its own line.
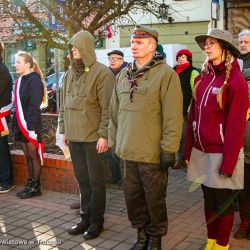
x=138 y=115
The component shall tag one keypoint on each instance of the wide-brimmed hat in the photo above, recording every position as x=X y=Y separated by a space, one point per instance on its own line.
x=219 y=34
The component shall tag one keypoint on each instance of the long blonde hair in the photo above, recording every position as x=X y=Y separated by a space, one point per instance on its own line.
x=229 y=60
x=35 y=67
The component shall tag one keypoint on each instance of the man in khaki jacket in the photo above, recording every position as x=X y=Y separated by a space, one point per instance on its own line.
x=83 y=119
x=144 y=130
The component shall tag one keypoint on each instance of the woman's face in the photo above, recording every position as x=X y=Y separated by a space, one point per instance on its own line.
x=182 y=59
x=213 y=50
x=22 y=68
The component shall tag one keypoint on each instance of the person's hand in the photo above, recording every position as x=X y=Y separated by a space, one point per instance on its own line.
x=102 y=145
x=65 y=141
x=224 y=175
x=167 y=160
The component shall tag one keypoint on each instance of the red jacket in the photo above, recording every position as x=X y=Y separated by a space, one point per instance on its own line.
x=215 y=130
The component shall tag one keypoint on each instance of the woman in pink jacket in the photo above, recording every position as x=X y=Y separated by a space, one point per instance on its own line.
x=216 y=124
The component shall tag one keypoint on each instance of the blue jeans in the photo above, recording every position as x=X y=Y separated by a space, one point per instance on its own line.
x=6 y=171
x=89 y=172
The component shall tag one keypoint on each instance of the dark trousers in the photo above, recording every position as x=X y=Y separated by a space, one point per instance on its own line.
x=244 y=195
x=145 y=188
x=115 y=169
x=6 y=171
x=89 y=173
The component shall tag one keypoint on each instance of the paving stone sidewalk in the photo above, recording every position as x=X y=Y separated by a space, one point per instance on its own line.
x=42 y=222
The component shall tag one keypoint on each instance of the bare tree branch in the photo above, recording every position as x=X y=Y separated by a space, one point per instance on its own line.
x=70 y=16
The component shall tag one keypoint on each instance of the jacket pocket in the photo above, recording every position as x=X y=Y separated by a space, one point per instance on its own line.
x=74 y=124
x=75 y=102
x=139 y=97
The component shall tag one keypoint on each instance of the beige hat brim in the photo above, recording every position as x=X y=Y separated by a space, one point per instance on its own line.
x=200 y=40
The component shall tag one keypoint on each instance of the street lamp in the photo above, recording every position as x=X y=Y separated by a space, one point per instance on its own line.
x=164 y=10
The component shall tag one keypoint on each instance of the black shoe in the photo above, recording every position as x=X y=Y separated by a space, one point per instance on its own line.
x=92 y=232
x=79 y=228
x=20 y=193
x=32 y=190
x=6 y=188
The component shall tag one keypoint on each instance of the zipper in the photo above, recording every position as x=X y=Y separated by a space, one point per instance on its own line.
x=208 y=96
x=203 y=97
x=221 y=133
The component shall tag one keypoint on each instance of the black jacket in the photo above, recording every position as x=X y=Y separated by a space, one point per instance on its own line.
x=246 y=60
x=5 y=85
x=31 y=95
x=185 y=76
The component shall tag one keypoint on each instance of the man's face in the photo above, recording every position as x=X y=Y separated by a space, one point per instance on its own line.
x=76 y=54
x=244 y=44
x=142 y=48
x=115 y=61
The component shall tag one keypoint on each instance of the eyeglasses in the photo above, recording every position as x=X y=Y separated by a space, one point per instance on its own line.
x=114 y=58
x=209 y=44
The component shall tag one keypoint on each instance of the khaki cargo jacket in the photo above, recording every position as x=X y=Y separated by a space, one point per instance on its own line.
x=84 y=111
x=152 y=123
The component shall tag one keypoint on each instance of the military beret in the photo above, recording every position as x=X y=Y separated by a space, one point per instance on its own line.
x=144 y=32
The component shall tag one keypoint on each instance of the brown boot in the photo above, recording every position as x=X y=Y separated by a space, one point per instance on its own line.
x=142 y=240
x=154 y=243
x=243 y=230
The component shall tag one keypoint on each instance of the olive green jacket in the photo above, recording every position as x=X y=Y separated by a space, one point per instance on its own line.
x=152 y=123
x=84 y=111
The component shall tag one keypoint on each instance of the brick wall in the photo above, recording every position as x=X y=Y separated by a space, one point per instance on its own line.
x=57 y=173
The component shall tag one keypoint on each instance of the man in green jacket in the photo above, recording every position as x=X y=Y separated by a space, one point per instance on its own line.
x=83 y=119
x=144 y=130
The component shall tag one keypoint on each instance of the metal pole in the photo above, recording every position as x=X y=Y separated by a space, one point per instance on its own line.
x=57 y=79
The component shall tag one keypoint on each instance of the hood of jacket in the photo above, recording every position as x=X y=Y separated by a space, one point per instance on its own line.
x=85 y=43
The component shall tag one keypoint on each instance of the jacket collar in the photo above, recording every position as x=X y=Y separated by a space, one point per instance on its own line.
x=221 y=68
x=245 y=56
